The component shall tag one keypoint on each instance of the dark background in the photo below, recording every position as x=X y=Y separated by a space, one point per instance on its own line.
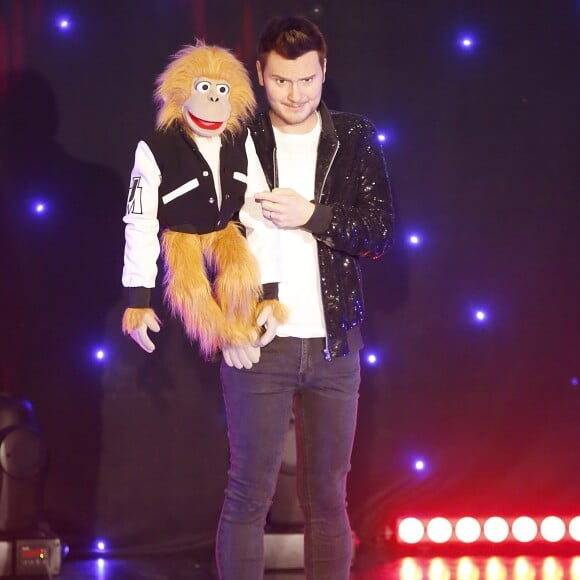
x=482 y=149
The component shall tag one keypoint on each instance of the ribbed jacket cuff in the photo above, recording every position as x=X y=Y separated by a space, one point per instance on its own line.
x=320 y=219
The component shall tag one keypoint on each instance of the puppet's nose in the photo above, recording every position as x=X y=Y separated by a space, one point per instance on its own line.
x=214 y=99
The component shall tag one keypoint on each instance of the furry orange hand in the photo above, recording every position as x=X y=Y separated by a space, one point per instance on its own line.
x=270 y=314
x=136 y=322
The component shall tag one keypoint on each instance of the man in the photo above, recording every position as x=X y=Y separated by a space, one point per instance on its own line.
x=318 y=198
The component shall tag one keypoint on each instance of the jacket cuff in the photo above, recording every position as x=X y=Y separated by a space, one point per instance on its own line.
x=320 y=220
x=270 y=291
x=137 y=297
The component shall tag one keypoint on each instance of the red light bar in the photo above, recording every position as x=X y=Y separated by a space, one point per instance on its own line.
x=494 y=530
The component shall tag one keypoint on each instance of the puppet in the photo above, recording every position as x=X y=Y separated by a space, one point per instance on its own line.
x=189 y=181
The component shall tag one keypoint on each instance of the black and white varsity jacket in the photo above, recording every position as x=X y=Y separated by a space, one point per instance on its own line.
x=172 y=187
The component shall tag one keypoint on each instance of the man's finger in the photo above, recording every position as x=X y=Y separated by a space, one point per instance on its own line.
x=265 y=196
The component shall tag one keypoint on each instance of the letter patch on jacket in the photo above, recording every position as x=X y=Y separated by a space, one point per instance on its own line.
x=134 y=204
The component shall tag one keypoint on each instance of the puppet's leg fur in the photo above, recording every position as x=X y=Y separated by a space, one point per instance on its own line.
x=237 y=285
x=188 y=292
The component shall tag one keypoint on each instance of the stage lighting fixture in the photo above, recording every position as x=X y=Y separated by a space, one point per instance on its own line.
x=495 y=530
x=524 y=529
x=27 y=546
x=439 y=530
x=410 y=530
x=553 y=529
x=574 y=528
x=467 y=530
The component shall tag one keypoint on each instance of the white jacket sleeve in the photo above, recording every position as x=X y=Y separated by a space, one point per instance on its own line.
x=262 y=235
x=142 y=226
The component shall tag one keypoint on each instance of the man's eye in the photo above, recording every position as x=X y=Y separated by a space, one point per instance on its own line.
x=280 y=81
x=223 y=89
x=203 y=86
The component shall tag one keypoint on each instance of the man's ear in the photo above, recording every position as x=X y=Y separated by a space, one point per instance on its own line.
x=324 y=70
x=260 y=73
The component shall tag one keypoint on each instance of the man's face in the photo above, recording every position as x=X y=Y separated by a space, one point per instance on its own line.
x=293 y=89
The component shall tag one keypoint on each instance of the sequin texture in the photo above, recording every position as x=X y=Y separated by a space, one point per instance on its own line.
x=353 y=216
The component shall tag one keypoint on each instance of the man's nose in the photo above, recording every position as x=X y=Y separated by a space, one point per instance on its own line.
x=294 y=94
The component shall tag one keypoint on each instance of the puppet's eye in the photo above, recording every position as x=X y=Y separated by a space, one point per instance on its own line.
x=223 y=89
x=203 y=86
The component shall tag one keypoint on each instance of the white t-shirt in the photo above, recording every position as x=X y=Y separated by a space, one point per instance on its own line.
x=288 y=256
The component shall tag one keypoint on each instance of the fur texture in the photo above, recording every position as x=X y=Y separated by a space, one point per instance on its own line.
x=174 y=85
x=279 y=311
x=218 y=314
x=133 y=318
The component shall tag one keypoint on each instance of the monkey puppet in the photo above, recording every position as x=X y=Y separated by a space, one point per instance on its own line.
x=189 y=179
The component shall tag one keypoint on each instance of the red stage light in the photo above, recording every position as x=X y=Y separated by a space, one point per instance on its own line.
x=574 y=528
x=553 y=529
x=524 y=529
x=439 y=530
x=495 y=530
x=410 y=531
x=467 y=530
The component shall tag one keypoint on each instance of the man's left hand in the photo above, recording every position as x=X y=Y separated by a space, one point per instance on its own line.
x=284 y=207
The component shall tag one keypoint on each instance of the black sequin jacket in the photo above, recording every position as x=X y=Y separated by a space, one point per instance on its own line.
x=353 y=215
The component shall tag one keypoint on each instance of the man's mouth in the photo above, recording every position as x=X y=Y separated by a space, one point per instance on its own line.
x=203 y=124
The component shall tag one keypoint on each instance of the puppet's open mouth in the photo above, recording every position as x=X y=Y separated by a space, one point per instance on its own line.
x=208 y=125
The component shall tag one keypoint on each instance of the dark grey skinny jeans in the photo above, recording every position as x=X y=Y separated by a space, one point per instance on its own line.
x=292 y=375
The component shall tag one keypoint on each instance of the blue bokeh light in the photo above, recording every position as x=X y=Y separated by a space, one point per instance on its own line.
x=385 y=136
x=480 y=315
x=63 y=23
x=466 y=42
x=39 y=207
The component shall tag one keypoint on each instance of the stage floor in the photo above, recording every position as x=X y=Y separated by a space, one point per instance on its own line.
x=542 y=567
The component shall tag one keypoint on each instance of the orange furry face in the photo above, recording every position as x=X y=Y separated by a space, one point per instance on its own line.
x=177 y=93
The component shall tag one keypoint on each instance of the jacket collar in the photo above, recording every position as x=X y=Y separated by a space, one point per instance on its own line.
x=263 y=136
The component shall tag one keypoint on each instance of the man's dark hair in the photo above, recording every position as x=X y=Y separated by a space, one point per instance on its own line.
x=291 y=37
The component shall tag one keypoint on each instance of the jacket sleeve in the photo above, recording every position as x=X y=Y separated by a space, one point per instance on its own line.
x=365 y=227
x=141 y=229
